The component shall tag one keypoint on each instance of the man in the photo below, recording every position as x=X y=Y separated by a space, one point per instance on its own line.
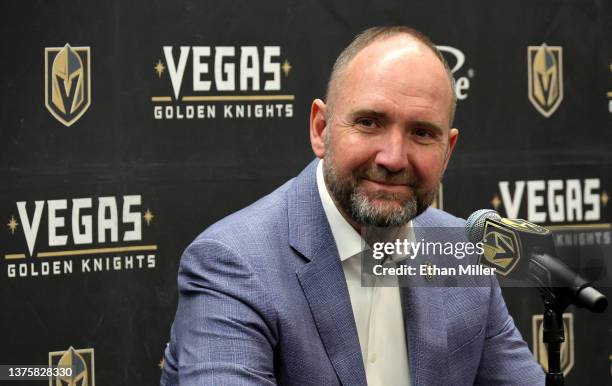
x=272 y=294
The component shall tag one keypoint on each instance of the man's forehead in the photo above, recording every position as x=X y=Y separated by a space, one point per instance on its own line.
x=401 y=64
x=397 y=42
x=385 y=50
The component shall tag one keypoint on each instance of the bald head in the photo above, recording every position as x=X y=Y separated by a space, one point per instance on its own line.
x=390 y=43
x=385 y=131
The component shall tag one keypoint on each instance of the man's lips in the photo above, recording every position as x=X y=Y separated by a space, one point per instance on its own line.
x=387 y=186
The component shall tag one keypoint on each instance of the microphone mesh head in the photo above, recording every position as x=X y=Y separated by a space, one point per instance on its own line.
x=474 y=227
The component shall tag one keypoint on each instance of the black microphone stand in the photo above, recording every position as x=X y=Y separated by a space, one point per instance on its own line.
x=558 y=292
x=554 y=334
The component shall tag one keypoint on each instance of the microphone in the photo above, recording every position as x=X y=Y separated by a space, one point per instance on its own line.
x=520 y=249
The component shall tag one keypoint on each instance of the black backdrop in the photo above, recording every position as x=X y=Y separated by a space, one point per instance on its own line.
x=158 y=180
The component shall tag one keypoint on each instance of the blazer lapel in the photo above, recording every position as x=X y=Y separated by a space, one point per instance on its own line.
x=322 y=278
x=426 y=335
x=426 y=328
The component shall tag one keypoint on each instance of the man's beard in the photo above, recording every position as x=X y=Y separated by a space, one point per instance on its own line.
x=355 y=201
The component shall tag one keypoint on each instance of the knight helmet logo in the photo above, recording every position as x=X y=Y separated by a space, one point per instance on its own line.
x=67 y=82
x=501 y=248
x=545 y=77
x=80 y=361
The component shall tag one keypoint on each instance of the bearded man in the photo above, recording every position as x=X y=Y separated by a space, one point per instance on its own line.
x=273 y=294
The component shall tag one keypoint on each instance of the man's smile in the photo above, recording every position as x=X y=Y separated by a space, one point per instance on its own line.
x=386 y=186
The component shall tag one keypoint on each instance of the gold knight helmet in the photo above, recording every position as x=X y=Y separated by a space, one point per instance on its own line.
x=546 y=69
x=73 y=360
x=67 y=69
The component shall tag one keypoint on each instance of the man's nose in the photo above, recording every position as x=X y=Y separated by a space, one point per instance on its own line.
x=392 y=153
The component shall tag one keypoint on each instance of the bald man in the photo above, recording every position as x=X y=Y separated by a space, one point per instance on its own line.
x=274 y=293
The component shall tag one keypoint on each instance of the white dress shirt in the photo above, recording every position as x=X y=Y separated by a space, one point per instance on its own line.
x=377 y=309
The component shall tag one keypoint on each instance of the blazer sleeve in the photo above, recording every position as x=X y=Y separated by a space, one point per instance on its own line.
x=506 y=359
x=222 y=332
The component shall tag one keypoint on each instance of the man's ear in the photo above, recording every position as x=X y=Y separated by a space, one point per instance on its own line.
x=453 y=136
x=318 y=125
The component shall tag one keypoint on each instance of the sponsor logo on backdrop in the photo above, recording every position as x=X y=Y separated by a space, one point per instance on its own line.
x=82 y=363
x=67 y=82
x=456 y=60
x=545 y=78
x=229 y=82
x=79 y=235
x=567 y=347
x=575 y=205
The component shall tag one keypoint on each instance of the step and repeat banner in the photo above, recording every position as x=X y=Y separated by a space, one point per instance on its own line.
x=129 y=127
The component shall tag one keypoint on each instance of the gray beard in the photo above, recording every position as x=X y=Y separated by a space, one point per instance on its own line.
x=357 y=204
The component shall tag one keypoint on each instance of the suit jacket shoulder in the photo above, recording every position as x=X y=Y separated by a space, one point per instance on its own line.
x=241 y=228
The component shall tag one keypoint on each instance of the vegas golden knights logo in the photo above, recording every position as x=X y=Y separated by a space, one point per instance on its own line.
x=67 y=82
x=545 y=77
x=80 y=361
x=500 y=249
x=540 y=351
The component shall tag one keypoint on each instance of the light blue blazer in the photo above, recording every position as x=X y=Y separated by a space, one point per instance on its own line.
x=263 y=300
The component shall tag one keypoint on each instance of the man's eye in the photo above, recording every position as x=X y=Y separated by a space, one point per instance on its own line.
x=423 y=133
x=366 y=122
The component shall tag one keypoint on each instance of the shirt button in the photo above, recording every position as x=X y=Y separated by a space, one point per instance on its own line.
x=373 y=358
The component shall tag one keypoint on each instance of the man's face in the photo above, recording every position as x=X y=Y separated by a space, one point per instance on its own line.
x=388 y=141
